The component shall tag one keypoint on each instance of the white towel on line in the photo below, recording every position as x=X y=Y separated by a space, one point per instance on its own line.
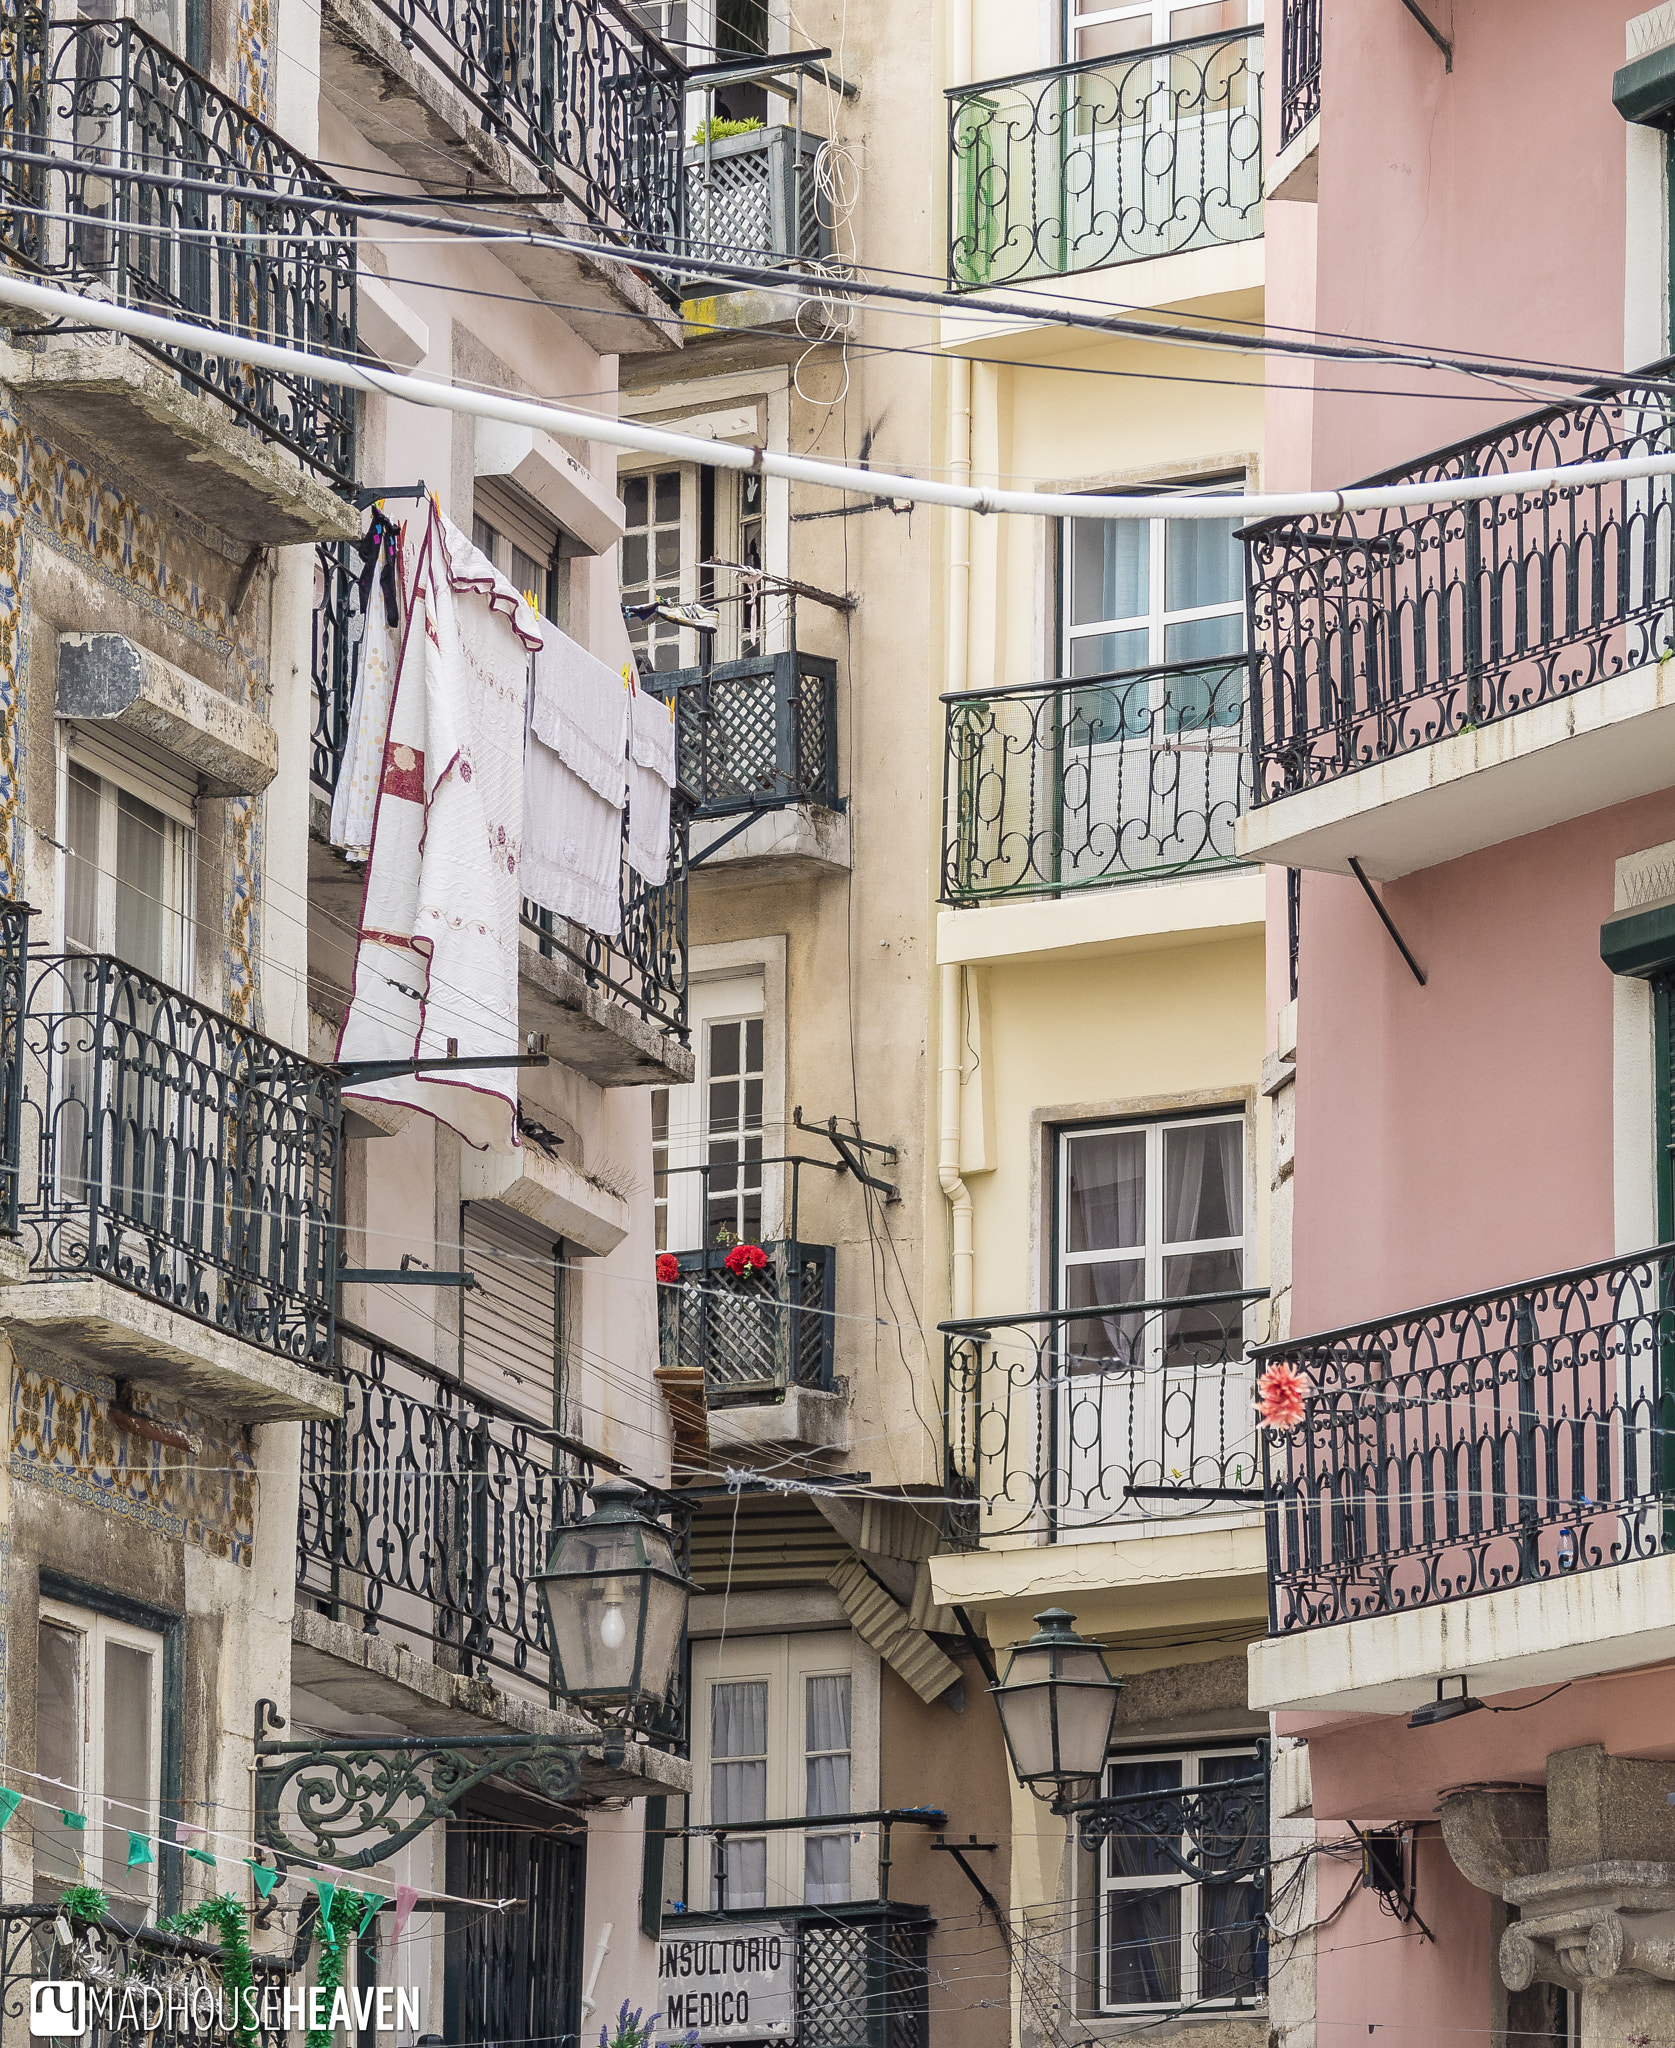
x=355 y=800
x=579 y=709
x=438 y=949
x=651 y=776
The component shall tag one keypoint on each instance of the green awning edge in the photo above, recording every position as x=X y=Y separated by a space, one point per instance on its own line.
x=1644 y=91
x=1639 y=942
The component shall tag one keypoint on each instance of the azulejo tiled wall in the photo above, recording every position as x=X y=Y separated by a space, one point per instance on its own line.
x=63 y=1439
x=50 y=498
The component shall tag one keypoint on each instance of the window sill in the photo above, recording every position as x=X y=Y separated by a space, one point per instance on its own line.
x=1229 y=2027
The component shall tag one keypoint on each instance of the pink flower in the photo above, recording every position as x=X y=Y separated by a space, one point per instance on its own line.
x=1279 y=1395
x=668 y=1268
x=745 y=1258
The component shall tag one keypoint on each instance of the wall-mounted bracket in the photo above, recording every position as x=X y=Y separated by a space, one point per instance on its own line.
x=1436 y=35
x=852 y=1149
x=1386 y=920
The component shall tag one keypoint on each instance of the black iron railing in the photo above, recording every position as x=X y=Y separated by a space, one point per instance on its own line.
x=177 y=1153
x=1501 y=1439
x=1299 y=67
x=137 y=1987
x=579 y=88
x=336 y=566
x=754 y=1334
x=861 y=1971
x=428 y=1509
x=1067 y=1420
x=645 y=963
x=1106 y=161
x=1050 y=787
x=14 y=998
x=166 y=195
x=757 y=734
x=1376 y=633
x=756 y=199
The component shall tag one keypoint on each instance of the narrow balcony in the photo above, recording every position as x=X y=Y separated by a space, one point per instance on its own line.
x=759 y=1342
x=1112 y=160
x=1432 y=679
x=124 y=1954
x=424 y=1516
x=1054 y=787
x=133 y=180
x=576 y=109
x=177 y=1179
x=1483 y=1485
x=756 y=198
x=1299 y=68
x=1070 y=1425
x=758 y=749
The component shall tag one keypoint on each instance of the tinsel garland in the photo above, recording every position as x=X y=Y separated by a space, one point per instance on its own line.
x=347 y=1909
x=226 y=1915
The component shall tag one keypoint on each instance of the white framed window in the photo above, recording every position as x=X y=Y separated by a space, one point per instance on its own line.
x=98 y=1735
x=1097 y=28
x=678 y=520
x=520 y=541
x=1150 y=1212
x=1165 y=1940
x=130 y=847
x=774 y=1737
x=715 y=1120
x=1139 y=592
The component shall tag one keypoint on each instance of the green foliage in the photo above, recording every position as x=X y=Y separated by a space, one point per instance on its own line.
x=346 y=1913
x=226 y=1915
x=84 y=1902
x=718 y=129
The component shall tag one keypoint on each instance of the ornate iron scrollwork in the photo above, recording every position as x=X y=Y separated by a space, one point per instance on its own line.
x=384 y=1794
x=1216 y=1834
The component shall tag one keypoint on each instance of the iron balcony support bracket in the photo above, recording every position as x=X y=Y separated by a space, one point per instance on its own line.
x=1215 y=1834
x=1385 y=919
x=384 y=1793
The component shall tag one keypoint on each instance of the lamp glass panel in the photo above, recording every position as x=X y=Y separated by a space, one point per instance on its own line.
x=595 y=1627
x=665 y=1612
x=1027 y=1717
x=1085 y=1713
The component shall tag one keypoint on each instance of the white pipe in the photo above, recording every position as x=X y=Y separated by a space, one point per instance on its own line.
x=959 y=1195
x=835 y=476
x=602 y=1950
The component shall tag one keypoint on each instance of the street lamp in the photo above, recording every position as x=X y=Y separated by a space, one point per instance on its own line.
x=1057 y=1702
x=616 y=1605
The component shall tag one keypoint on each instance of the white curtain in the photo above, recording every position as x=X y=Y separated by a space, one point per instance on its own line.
x=739 y=1784
x=827 y=1740
x=1203 y=1166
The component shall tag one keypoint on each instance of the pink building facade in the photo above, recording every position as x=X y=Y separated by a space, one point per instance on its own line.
x=1463 y=726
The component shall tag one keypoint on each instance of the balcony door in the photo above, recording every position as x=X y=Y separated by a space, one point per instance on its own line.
x=1149 y=765
x=1148 y=1398
x=709 y=1138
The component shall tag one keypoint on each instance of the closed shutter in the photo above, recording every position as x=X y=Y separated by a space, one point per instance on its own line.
x=145 y=770
x=510 y=1322
x=514 y=513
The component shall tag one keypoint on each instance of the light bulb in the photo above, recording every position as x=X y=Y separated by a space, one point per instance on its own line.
x=613 y=1627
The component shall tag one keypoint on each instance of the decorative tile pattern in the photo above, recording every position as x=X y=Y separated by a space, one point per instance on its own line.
x=251 y=37
x=63 y=1439
x=48 y=497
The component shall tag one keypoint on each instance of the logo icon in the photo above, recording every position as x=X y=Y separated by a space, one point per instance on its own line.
x=58 y=2009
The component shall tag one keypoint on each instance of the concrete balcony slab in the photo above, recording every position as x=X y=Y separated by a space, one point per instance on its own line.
x=1576 y=1626
x=805 y=1420
x=128 y=1336
x=379 y=1677
x=1601 y=746
x=547 y=1189
x=592 y=1030
x=179 y=445
x=801 y=843
x=1129 y=917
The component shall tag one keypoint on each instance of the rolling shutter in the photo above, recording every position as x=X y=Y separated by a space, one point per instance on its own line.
x=509 y=1323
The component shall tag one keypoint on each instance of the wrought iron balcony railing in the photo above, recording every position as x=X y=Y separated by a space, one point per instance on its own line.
x=1053 y=787
x=144 y=1988
x=128 y=173
x=756 y=199
x=754 y=1334
x=1075 y=1419
x=1106 y=161
x=1299 y=67
x=1377 y=633
x=166 y=1148
x=427 y=1510
x=1501 y=1439
x=14 y=998
x=579 y=88
x=757 y=734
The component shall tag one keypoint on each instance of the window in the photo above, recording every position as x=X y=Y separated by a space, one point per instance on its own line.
x=521 y=546
x=1163 y=1939
x=773 y=1739
x=687 y=532
x=1097 y=28
x=715 y=1121
x=659 y=556
x=128 y=868
x=1139 y=592
x=98 y=1733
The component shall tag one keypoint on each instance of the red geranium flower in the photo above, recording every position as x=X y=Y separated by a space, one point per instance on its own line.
x=1279 y=1395
x=668 y=1268
x=745 y=1258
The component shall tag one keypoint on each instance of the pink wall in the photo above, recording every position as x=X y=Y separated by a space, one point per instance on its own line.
x=1374 y=1973
x=1458 y=1136
x=1480 y=208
